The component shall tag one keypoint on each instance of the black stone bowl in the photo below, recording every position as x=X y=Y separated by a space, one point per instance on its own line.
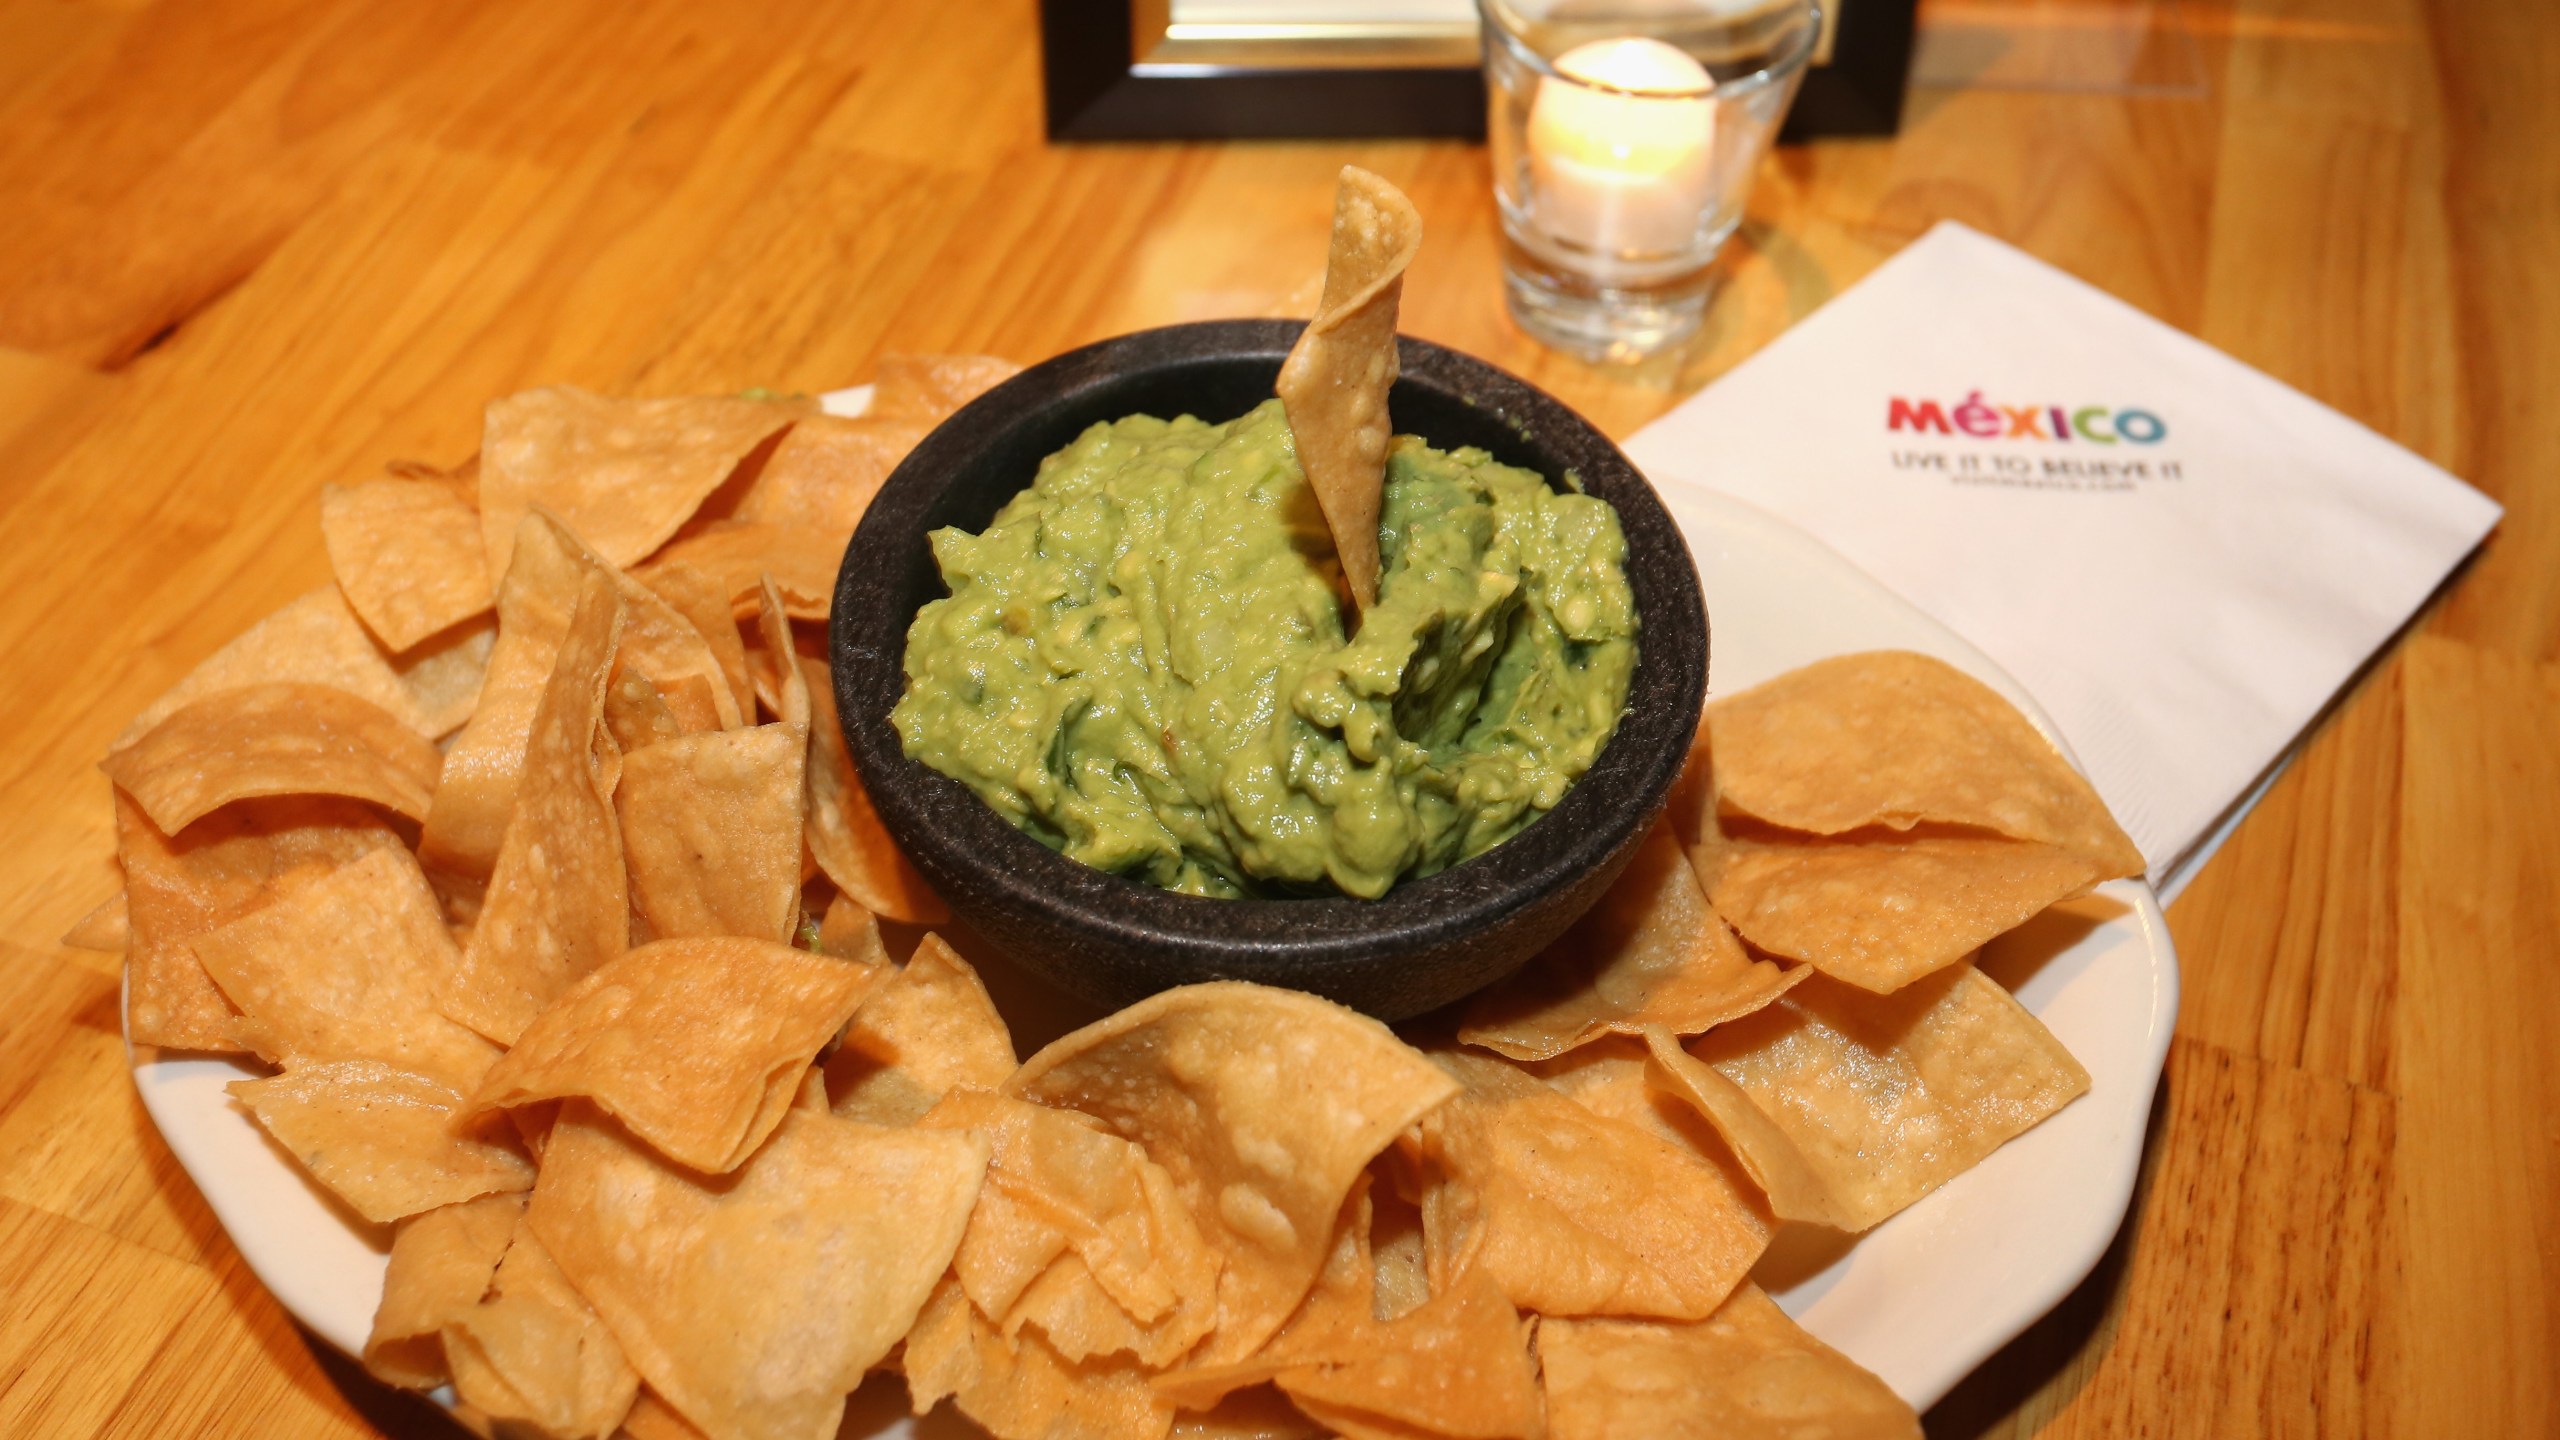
x=1115 y=940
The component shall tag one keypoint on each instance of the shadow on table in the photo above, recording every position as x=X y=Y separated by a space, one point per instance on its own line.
x=2058 y=1346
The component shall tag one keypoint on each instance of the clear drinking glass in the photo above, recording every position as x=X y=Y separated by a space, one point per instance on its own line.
x=1624 y=136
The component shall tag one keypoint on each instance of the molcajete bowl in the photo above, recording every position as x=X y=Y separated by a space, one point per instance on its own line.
x=1114 y=940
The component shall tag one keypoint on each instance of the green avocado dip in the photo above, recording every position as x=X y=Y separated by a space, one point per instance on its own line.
x=1142 y=664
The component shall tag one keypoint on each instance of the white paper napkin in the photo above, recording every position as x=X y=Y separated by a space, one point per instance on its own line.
x=2184 y=576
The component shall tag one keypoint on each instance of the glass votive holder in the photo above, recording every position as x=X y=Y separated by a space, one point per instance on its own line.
x=1624 y=136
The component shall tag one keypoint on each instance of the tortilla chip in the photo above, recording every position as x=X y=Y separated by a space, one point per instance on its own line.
x=408 y=556
x=779 y=681
x=1745 y=1373
x=852 y=933
x=637 y=712
x=1793 y=1188
x=1019 y=1388
x=346 y=964
x=1214 y=1082
x=736 y=553
x=1886 y=1097
x=929 y=388
x=844 y=831
x=441 y=1264
x=1897 y=739
x=755 y=1304
x=391 y=1143
x=1079 y=1234
x=219 y=869
x=477 y=795
x=1457 y=1366
x=699 y=598
x=623 y=474
x=696 y=1045
x=711 y=831
x=654 y=1419
x=1258 y=1412
x=1882 y=912
x=1336 y=379
x=1572 y=1213
x=823 y=475
x=557 y=905
x=1650 y=953
x=314 y=640
x=928 y=1030
x=1336 y=1315
x=444 y=673
x=1616 y=1078
x=274 y=739
x=107 y=928
x=534 y=1351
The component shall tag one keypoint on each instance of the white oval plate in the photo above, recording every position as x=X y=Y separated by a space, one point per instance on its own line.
x=1920 y=1300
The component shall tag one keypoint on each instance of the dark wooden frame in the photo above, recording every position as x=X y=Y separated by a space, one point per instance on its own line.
x=1091 y=90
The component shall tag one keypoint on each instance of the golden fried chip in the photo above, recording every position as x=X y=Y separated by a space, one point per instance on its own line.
x=1650 y=953
x=441 y=1265
x=1794 y=1189
x=1881 y=910
x=850 y=932
x=476 y=797
x=1214 y=1082
x=755 y=1303
x=637 y=712
x=928 y=1030
x=823 y=475
x=107 y=928
x=389 y=1142
x=1572 y=1213
x=535 y=1353
x=281 y=738
x=217 y=870
x=444 y=673
x=558 y=905
x=654 y=1419
x=408 y=556
x=1897 y=739
x=1336 y=1315
x=1883 y=1098
x=696 y=1045
x=930 y=388
x=1019 y=1388
x=699 y=598
x=1336 y=379
x=1258 y=1412
x=346 y=964
x=623 y=474
x=1745 y=1373
x=735 y=553
x=845 y=833
x=1616 y=1078
x=1458 y=1366
x=315 y=640
x=1078 y=1233
x=711 y=831
x=778 y=678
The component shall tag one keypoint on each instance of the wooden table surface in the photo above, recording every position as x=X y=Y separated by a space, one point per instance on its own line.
x=251 y=246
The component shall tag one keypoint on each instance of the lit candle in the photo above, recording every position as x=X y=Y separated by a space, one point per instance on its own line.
x=1624 y=169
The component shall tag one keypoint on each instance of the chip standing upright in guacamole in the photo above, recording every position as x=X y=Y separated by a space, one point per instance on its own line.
x=1142 y=660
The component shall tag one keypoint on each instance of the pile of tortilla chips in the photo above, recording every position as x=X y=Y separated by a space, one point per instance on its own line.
x=529 y=854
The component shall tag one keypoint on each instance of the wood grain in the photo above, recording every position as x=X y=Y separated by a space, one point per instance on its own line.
x=257 y=246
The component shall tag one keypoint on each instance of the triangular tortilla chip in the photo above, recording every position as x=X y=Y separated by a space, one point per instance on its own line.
x=699 y=598
x=445 y=671
x=745 y=1016
x=930 y=388
x=1336 y=379
x=217 y=870
x=1458 y=1366
x=928 y=1030
x=1746 y=1372
x=1883 y=1098
x=1018 y=1387
x=441 y=1265
x=533 y=1351
x=275 y=739
x=736 y=553
x=316 y=640
x=1217 y=1083
x=1650 y=953
x=755 y=1303
x=845 y=833
x=558 y=903
x=711 y=831
x=1897 y=739
x=389 y=1142
x=107 y=928
x=408 y=556
x=623 y=474
x=823 y=475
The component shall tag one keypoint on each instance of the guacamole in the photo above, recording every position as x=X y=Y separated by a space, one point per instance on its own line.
x=1142 y=663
